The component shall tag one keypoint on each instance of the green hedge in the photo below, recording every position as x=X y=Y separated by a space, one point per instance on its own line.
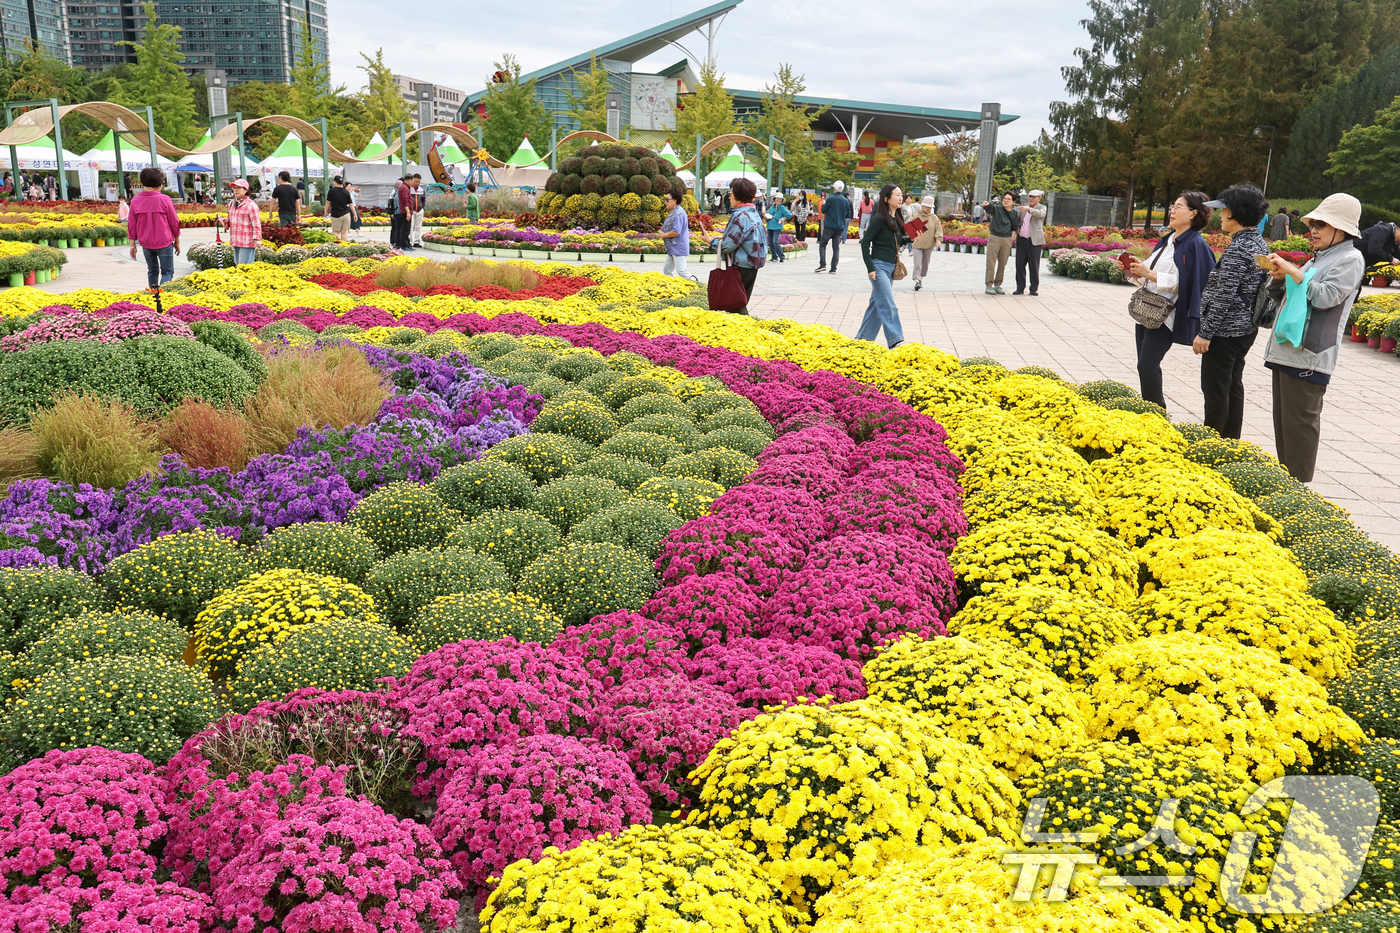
x=40 y=234
x=40 y=257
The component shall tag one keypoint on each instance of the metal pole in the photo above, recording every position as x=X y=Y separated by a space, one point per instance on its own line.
x=553 y=146
x=305 y=177
x=768 y=178
x=58 y=151
x=1270 y=164
x=242 y=151
x=782 y=150
x=151 y=137
x=218 y=176
x=121 y=167
x=14 y=157
x=325 y=157
x=699 y=172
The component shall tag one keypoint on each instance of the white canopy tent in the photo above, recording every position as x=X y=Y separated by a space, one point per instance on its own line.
x=289 y=158
x=669 y=155
x=39 y=156
x=135 y=156
x=734 y=166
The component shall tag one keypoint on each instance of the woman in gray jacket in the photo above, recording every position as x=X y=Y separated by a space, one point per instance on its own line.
x=1301 y=373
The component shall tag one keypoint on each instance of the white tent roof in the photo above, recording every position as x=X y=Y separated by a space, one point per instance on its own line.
x=734 y=166
x=288 y=158
x=39 y=156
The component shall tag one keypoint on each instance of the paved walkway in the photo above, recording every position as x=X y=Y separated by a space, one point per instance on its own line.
x=1079 y=329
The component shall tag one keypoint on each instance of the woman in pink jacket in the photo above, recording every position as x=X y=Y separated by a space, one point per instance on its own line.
x=155 y=227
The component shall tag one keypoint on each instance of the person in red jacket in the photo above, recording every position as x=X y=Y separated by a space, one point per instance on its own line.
x=155 y=227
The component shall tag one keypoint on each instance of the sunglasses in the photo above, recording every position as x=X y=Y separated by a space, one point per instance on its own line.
x=1315 y=226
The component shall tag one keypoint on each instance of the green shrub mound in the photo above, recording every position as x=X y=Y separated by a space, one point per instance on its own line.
x=1195 y=432
x=1380 y=877
x=1376 y=760
x=630 y=364
x=600 y=382
x=575 y=394
x=653 y=449
x=654 y=404
x=1213 y=451
x=227 y=339
x=1255 y=480
x=719 y=465
x=738 y=418
x=1347 y=596
x=677 y=429
x=566 y=502
x=1137 y=406
x=292 y=330
x=146 y=705
x=624 y=471
x=338 y=654
x=634 y=386
x=636 y=524
x=102 y=635
x=580 y=581
x=34 y=599
x=483 y=348
x=546 y=385
x=403 y=516
x=1100 y=390
x=687 y=497
x=405 y=583
x=576 y=367
x=332 y=548
x=486 y=615
x=1370 y=694
x=746 y=441
x=1377 y=638
x=542 y=457
x=1043 y=372
x=515 y=538
x=151 y=373
x=710 y=404
x=482 y=485
x=590 y=422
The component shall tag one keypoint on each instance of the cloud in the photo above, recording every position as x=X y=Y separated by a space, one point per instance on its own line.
x=932 y=53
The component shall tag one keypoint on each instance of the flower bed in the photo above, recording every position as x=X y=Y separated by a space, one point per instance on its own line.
x=855 y=493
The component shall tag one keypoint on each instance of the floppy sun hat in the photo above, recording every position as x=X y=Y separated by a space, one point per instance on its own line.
x=1341 y=211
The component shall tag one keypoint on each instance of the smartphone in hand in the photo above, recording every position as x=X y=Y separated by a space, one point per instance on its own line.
x=1125 y=259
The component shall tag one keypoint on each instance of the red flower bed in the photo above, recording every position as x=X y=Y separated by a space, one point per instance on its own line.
x=555 y=286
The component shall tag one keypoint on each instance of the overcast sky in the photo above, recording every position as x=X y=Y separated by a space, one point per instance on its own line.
x=954 y=54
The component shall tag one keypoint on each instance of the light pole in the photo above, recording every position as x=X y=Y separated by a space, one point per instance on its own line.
x=1259 y=131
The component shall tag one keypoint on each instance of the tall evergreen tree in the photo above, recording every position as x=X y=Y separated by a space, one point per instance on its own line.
x=588 y=100
x=158 y=80
x=709 y=111
x=790 y=123
x=312 y=94
x=379 y=100
x=513 y=112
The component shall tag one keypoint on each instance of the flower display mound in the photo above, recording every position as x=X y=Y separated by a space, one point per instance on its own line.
x=485 y=615
x=637 y=525
x=408 y=581
x=623 y=646
x=471 y=693
x=1066 y=554
x=101 y=635
x=968 y=885
x=988 y=694
x=330 y=548
x=1262 y=716
x=1030 y=499
x=821 y=794
x=336 y=654
x=1368 y=693
x=859 y=591
x=764 y=672
x=78 y=817
x=36 y=598
x=669 y=877
x=1300 y=629
x=111 y=905
x=709 y=610
x=1117 y=791
x=213 y=816
x=1205 y=553
x=338 y=857
x=758 y=555
x=579 y=581
x=266 y=607
x=511 y=802
x=176 y=575
x=1064 y=631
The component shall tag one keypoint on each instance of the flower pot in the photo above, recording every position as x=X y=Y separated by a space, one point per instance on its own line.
x=16 y=279
x=100 y=242
x=1373 y=342
x=29 y=278
x=1380 y=281
x=593 y=257
x=41 y=276
x=1387 y=344
x=507 y=253
x=626 y=257
x=1356 y=335
x=87 y=244
x=563 y=255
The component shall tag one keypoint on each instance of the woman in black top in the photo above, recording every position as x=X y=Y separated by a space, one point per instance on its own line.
x=879 y=247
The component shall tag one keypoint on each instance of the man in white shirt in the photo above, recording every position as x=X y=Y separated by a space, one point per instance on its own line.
x=420 y=198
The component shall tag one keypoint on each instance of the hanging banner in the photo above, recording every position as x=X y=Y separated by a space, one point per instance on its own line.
x=87 y=180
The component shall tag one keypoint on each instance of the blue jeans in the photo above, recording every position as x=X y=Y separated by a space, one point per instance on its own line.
x=245 y=255
x=775 y=248
x=881 y=310
x=160 y=265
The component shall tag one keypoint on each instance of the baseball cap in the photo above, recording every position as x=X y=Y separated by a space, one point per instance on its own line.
x=838 y=185
x=1037 y=193
x=239 y=183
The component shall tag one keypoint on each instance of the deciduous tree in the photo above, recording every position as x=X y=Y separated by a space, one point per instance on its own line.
x=709 y=112
x=513 y=112
x=1367 y=160
x=157 y=80
x=790 y=121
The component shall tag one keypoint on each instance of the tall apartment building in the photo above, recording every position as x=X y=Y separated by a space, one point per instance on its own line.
x=41 y=22
x=250 y=40
x=446 y=100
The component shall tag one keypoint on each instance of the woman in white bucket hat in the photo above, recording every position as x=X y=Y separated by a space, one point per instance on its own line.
x=1302 y=372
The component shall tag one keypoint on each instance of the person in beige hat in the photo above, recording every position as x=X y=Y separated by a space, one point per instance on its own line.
x=1301 y=373
x=925 y=243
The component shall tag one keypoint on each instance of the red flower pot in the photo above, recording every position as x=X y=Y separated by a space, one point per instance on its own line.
x=1356 y=335
x=1387 y=344
x=29 y=278
x=1373 y=342
x=1380 y=281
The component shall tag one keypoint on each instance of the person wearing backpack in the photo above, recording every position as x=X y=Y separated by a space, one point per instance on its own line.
x=743 y=242
x=1302 y=362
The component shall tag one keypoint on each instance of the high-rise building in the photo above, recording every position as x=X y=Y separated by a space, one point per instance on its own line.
x=250 y=40
x=41 y=22
x=446 y=100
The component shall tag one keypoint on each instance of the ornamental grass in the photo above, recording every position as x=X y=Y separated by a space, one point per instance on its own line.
x=206 y=436
x=335 y=387
x=85 y=438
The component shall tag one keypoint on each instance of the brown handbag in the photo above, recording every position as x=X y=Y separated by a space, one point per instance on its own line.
x=1148 y=308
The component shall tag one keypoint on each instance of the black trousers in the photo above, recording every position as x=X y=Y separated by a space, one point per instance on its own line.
x=398 y=231
x=1222 y=383
x=747 y=276
x=1152 y=346
x=835 y=237
x=1027 y=254
x=799 y=231
x=1297 y=423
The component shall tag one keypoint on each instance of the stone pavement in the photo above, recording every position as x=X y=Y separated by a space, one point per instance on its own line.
x=1079 y=329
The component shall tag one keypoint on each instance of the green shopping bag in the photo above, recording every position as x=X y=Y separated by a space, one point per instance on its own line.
x=1292 y=320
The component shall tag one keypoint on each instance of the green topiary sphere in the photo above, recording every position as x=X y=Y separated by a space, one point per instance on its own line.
x=407 y=582
x=590 y=422
x=576 y=367
x=580 y=581
x=568 y=501
x=102 y=635
x=745 y=440
x=402 y=516
x=485 y=347
x=1101 y=390
x=145 y=705
x=332 y=548
x=652 y=449
x=592 y=165
x=615 y=184
x=717 y=464
x=541 y=456
x=709 y=404
x=339 y=654
x=487 y=615
x=688 y=498
x=677 y=429
x=624 y=471
x=34 y=599
x=637 y=524
x=514 y=538
x=601 y=382
x=482 y=485
x=634 y=386
x=654 y=404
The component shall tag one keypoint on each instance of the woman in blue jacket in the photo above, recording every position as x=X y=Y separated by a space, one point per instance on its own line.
x=1178 y=268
